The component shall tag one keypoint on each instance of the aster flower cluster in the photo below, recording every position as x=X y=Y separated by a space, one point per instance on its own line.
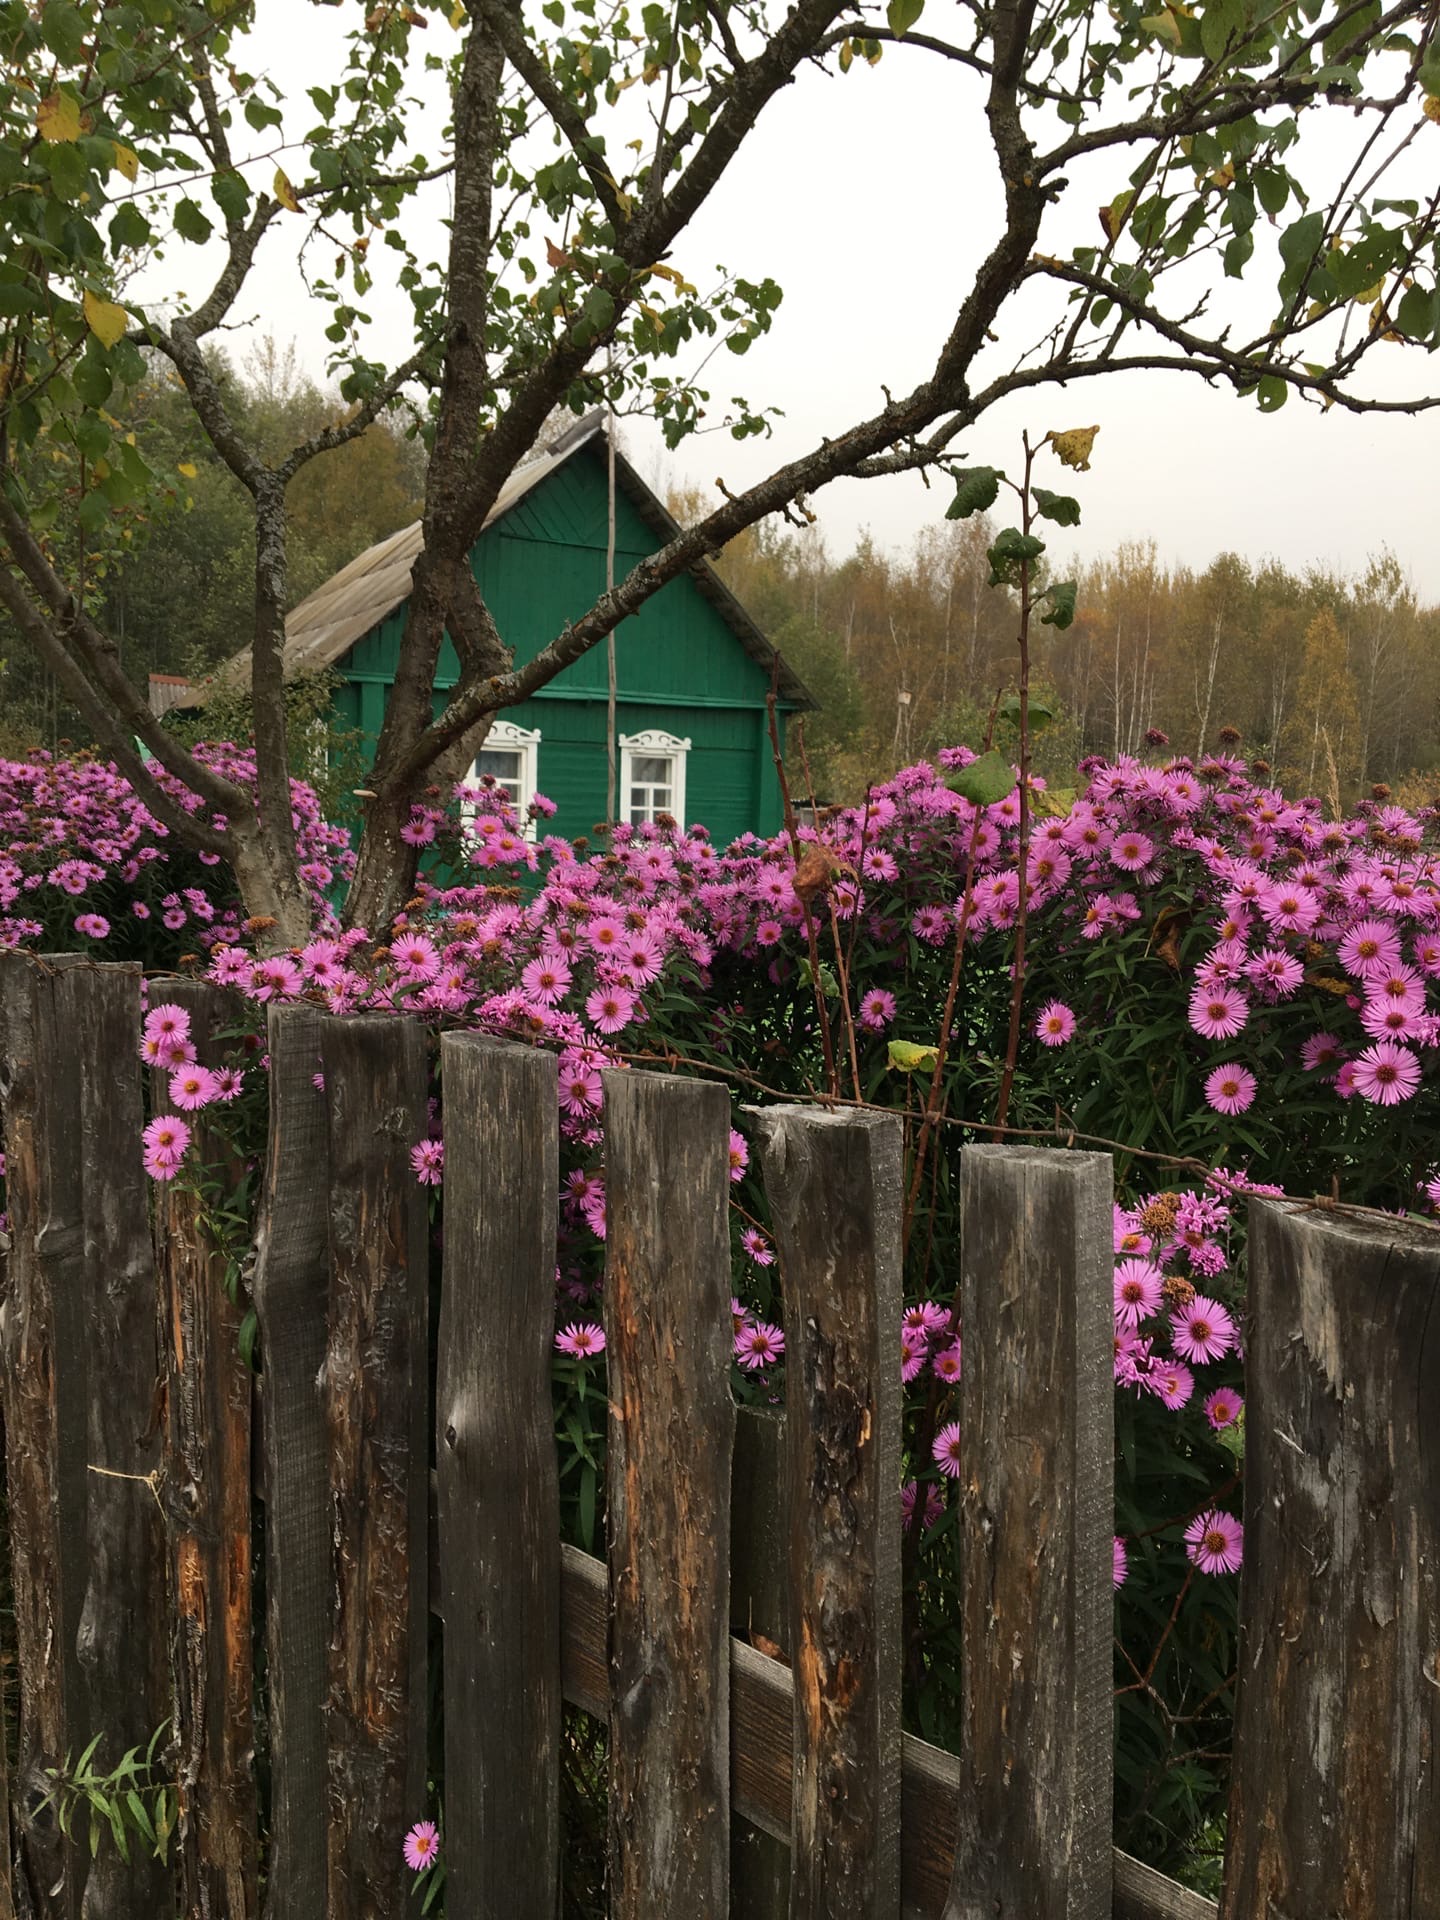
x=84 y=864
x=1171 y=1261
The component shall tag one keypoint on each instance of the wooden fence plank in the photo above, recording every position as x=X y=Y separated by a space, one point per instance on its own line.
x=122 y=1643
x=1335 y=1789
x=291 y=1284
x=762 y=1714
x=1036 y=1416
x=208 y=1402
x=759 y=1610
x=376 y=1403
x=834 y=1184
x=498 y=1484
x=669 y=1343
x=45 y=1411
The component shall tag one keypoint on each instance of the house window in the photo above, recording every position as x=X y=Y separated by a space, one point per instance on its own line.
x=652 y=776
x=510 y=759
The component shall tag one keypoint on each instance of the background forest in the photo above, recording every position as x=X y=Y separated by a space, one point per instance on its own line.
x=1333 y=681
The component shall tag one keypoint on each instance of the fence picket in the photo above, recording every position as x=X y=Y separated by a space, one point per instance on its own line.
x=208 y=1404
x=122 y=1643
x=291 y=1283
x=759 y=1609
x=498 y=1487
x=834 y=1184
x=1335 y=1791
x=376 y=1405
x=669 y=1337
x=45 y=1409
x=1036 y=1497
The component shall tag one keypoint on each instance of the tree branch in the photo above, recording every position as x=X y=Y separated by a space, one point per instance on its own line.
x=100 y=713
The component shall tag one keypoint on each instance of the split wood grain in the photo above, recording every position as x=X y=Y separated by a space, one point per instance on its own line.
x=1335 y=1788
x=291 y=1283
x=376 y=1399
x=669 y=1337
x=497 y=1480
x=1036 y=1497
x=834 y=1185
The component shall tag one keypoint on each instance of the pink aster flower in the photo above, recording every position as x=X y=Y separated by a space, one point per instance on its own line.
x=229 y=1083
x=757 y=1247
x=1130 y=851
x=548 y=977
x=93 y=925
x=1230 y=1089
x=1203 y=1330
x=946 y=1450
x=759 y=1345
x=1214 y=1542
x=1218 y=1013
x=610 y=1008
x=934 y=1503
x=946 y=1363
x=1223 y=1408
x=167 y=1023
x=1369 y=947
x=415 y=956
x=1322 y=1053
x=192 y=1088
x=581 y=1339
x=1120 y=1565
x=422 y=1844
x=1432 y=1188
x=428 y=1160
x=1172 y=1382
x=877 y=1009
x=739 y=1155
x=1386 y=1074
x=1054 y=1024
x=1138 y=1292
x=166 y=1139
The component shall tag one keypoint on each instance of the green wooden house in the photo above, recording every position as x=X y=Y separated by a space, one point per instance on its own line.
x=693 y=669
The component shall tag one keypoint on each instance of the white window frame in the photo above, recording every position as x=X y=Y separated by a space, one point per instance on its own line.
x=505 y=736
x=655 y=741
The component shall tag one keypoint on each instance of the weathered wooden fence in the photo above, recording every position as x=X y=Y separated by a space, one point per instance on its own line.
x=738 y=1783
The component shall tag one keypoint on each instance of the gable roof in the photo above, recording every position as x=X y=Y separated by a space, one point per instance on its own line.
x=326 y=624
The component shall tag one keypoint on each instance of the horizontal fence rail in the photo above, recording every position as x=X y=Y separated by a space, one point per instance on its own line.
x=744 y=1778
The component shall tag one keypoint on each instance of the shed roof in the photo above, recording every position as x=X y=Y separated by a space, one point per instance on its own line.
x=328 y=622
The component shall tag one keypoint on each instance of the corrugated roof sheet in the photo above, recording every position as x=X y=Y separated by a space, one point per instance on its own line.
x=326 y=624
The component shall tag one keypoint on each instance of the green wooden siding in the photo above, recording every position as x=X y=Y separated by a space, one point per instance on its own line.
x=680 y=665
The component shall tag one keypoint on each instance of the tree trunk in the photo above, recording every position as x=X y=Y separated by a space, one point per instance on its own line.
x=275 y=897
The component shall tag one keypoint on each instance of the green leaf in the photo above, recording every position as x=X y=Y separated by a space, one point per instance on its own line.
x=129 y=230
x=1238 y=250
x=1418 y=314
x=985 y=781
x=1061 y=596
x=1012 y=551
x=1038 y=715
x=902 y=15
x=192 y=222
x=1058 y=507
x=906 y=1057
x=1272 y=393
x=1299 y=244
x=231 y=195
x=976 y=489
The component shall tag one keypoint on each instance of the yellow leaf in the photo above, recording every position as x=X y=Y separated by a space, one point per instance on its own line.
x=58 y=117
x=284 y=192
x=127 y=161
x=1431 y=109
x=106 y=321
x=1073 y=447
x=905 y=1056
x=188 y=468
x=457 y=14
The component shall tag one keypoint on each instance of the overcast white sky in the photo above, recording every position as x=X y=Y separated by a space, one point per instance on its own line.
x=870 y=199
